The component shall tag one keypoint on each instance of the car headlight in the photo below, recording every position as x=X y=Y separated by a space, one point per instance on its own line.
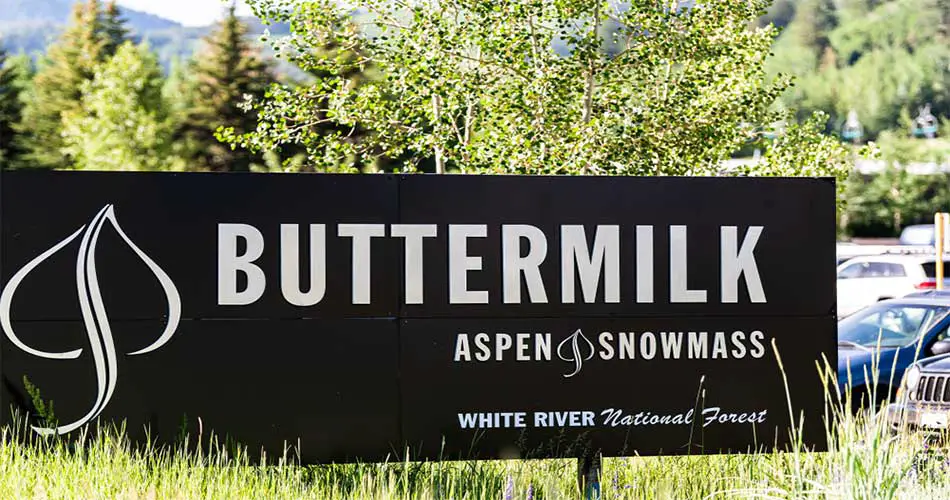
x=912 y=377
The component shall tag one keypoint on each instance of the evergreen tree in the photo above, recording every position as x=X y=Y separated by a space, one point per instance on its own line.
x=175 y=90
x=779 y=13
x=223 y=76
x=11 y=111
x=57 y=86
x=113 y=28
x=122 y=123
x=814 y=20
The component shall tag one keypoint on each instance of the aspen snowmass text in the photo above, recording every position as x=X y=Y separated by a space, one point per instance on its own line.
x=645 y=345
x=523 y=249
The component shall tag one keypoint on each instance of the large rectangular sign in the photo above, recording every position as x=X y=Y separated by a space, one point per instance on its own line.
x=353 y=316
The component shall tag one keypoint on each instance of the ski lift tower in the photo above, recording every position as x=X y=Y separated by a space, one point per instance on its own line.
x=852 y=130
x=925 y=125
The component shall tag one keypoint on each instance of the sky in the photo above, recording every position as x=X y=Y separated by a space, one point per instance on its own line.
x=187 y=12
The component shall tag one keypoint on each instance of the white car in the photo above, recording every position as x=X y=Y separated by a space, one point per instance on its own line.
x=864 y=280
x=845 y=251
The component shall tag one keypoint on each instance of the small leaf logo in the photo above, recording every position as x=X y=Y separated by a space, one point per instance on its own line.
x=94 y=316
x=581 y=350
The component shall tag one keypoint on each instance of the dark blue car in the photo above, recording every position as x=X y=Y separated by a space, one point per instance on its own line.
x=885 y=339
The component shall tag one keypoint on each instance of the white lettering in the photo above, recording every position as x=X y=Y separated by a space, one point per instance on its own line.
x=719 y=346
x=698 y=345
x=290 y=264
x=712 y=418
x=606 y=341
x=645 y=264
x=647 y=345
x=460 y=263
x=521 y=340
x=758 y=350
x=467 y=420
x=462 y=350
x=672 y=344
x=540 y=419
x=542 y=346
x=738 y=350
x=605 y=258
x=414 y=235
x=627 y=345
x=514 y=265
x=502 y=344
x=230 y=264
x=362 y=235
x=679 y=283
x=741 y=262
x=481 y=343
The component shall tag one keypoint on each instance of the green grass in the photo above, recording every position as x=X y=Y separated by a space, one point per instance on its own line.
x=865 y=461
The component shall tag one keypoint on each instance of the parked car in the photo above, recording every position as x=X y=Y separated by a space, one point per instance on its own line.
x=923 y=401
x=877 y=344
x=918 y=234
x=945 y=293
x=864 y=280
x=845 y=251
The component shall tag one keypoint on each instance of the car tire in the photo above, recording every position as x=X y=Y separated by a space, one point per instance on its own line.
x=860 y=397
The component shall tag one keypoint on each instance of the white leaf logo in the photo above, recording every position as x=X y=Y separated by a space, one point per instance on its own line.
x=577 y=341
x=94 y=316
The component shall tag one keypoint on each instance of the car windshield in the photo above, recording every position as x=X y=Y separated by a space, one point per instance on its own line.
x=889 y=325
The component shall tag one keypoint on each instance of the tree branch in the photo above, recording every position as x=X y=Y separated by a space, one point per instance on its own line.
x=437 y=112
x=589 y=93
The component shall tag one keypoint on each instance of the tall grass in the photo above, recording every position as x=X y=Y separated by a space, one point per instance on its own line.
x=866 y=460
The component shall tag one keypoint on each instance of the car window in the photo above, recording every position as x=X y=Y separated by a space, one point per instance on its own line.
x=930 y=268
x=855 y=270
x=875 y=270
x=895 y=270
x=892 y=325
x=942 y=334
x=884 y=270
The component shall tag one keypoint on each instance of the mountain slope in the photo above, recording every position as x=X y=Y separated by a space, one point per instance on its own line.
x=29 y=26
x=18 y=13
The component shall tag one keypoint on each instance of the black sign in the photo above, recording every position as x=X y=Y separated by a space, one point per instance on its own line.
x=358 y=316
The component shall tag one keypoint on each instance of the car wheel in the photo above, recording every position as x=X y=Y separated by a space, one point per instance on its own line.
x=861 y=396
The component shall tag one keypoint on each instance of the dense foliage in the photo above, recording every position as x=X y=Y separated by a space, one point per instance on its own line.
x=539 y=86
x=227 y=73
x=479 y=86
x=122 y=122
x=99 y=101
x=57 y=87
x=12 y=80
x=884 y=60
x=880 y=204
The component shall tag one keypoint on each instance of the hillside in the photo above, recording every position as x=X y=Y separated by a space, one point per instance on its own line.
x=15 y=13
x=884 y=61
x=29 y=26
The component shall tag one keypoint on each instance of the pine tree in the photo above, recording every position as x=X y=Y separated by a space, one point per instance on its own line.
x=223 y=75
x=11 y=112
x=122 y=123
x=175 y=90
x=113 y=28
x=814 y=20
x=57 y=86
